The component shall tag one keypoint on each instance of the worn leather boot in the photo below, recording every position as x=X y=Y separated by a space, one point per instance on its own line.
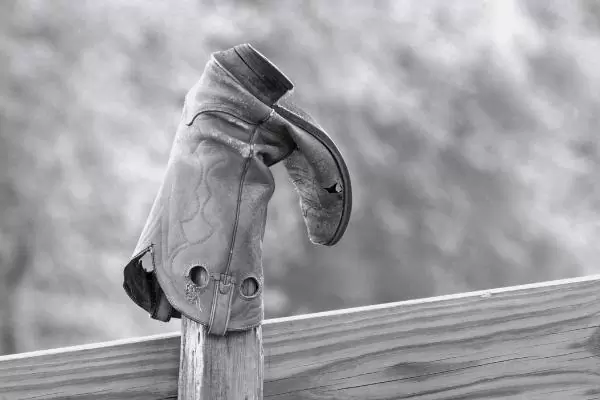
x=200 y=252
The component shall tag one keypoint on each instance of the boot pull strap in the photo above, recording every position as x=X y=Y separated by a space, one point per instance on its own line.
x=221 y=304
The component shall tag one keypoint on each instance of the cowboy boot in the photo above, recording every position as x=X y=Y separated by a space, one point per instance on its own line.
x=203 y=237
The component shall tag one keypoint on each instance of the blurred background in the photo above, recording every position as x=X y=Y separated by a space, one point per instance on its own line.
x=470 y=129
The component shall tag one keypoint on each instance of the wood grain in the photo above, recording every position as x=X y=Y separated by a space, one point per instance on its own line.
x=226 y=367
x=537 y=341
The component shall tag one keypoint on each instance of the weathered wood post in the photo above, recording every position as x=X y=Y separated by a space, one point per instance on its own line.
x=226 y=367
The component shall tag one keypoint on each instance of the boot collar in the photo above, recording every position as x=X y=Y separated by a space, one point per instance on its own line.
x=255 y=72
x=240 y=81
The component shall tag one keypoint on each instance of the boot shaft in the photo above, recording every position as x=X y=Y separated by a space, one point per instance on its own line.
x=205 y=229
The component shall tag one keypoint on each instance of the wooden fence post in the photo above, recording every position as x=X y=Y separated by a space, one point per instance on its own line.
x=226 y=367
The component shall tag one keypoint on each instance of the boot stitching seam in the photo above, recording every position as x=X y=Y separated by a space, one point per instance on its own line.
x=245 y=169
x=240 y=191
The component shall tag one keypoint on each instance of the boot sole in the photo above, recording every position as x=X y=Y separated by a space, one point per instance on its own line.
x=322 y=137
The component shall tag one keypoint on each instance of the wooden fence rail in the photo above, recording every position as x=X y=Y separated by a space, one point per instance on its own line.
x=539 y=341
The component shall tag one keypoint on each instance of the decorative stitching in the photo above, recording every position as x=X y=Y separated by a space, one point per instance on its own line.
x=202 y=207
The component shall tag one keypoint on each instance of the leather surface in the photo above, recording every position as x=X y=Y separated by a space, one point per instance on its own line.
x=208 y=219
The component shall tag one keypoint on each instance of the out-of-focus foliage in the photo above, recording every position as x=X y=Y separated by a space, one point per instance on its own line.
x=469 y=129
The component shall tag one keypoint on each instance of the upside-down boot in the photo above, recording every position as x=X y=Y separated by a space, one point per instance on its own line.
x=200 y=252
